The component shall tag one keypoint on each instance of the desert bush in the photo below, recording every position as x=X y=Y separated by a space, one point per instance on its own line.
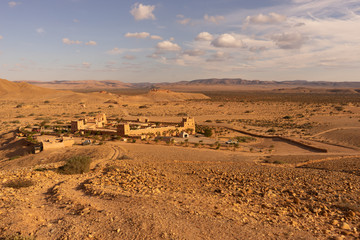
x=19 y=183
x=124 y=157
x=245 y=139
x=339 y=108
x=278 y=162
x=271 y=130
x=76 y=165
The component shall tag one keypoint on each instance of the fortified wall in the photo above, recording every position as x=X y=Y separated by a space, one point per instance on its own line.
x=187 y=124
x=136 y=128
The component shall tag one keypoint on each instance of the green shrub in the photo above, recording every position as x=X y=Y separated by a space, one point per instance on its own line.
x=19 y=183
x=76 y=165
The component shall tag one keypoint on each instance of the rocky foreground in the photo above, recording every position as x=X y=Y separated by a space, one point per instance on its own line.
x=160 y=192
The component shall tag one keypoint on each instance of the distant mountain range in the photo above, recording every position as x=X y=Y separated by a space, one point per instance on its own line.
x=211 y=82
x=239 y=81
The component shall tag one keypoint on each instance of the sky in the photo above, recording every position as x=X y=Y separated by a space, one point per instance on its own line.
x=171 y=40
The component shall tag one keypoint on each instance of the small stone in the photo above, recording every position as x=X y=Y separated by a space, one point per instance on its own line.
x=118 y=230
x=350 y=214
x=345 y=226
x=335 y=222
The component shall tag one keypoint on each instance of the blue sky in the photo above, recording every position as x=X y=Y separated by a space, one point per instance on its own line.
x=167 y=40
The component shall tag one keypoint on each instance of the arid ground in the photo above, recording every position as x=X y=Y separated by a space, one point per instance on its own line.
x=263 y=188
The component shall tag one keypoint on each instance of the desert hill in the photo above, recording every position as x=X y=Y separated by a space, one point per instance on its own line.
x=83 y=84
x=9 y=89
x=162 y=95
x=26 y=91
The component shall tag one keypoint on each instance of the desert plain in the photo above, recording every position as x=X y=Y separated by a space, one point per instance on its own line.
x=294 y=172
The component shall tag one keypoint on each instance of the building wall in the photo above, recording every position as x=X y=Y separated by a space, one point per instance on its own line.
x=188 y=123
x=57 y=145
x=77 y=125
x=124 y=130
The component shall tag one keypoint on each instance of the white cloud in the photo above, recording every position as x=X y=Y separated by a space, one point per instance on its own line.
x=129 y=57
x=117 y=51
x=204 y=36
x=70 y=42
x=213 y=19
x=154 y=56
x=156 y=37
x=272 y=18
x=184 y=21
x=40 y=30
x=167 y=46
x=227 y=41
x=292 y=40
x=141 y=12
x=194 y=52
x=137 y=35
x=76 y=20
x=219 y=56
x=91 y=43
x=13 y=3
x=86 y=65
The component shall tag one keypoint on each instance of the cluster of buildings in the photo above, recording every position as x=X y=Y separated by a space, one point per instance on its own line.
x=140 y=128
x=100 y=125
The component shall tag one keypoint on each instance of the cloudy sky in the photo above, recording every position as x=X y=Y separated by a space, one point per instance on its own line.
x=168 y=40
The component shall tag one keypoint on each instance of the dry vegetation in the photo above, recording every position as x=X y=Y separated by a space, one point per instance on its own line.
x=261 y=188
